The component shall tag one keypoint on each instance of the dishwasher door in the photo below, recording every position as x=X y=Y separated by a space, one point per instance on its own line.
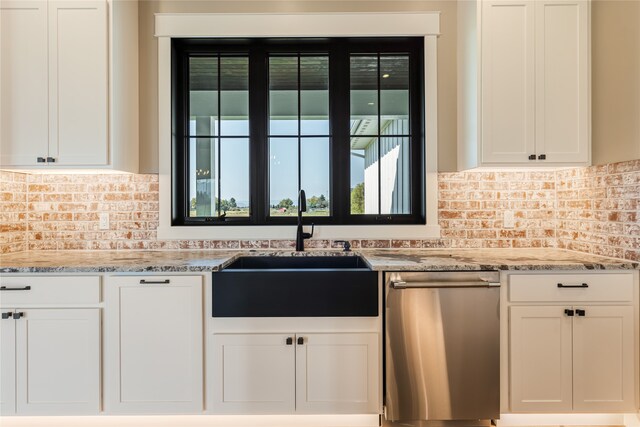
x=442 y=346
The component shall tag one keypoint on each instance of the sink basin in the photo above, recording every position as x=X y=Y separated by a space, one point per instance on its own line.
x=296 y=286
x=297 y=262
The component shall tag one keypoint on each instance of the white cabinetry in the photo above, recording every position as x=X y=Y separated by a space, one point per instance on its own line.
x=153 y=341
x=24 y=110
x=577 y=352
x=528 y=101
x=254 y=373
x=304 y=373
x=49 y=357
x=57 y=75
x=78 y=82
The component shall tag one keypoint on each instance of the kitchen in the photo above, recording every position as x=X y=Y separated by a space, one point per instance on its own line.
x=589 y=209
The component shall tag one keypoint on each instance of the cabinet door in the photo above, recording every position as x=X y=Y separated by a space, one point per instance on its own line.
x=562 y=82
x=541 y=364
x=253 y=374
x=23 y=82
x=78 y=82
x=337 y=373
x=507 y=81
x=154 y=345
x=58 y=362
x=7 y=365
x=603 y=359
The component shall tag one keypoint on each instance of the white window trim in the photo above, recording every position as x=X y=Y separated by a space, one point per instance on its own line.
x=180 y=25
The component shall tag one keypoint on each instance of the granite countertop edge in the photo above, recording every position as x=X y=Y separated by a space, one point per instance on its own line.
x=378 y=259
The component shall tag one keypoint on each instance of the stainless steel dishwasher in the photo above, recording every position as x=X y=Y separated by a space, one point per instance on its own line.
x=442 y=342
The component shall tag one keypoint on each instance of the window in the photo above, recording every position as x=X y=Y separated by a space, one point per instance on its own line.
x=254 y=121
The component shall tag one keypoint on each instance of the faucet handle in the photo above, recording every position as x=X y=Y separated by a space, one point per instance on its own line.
x=309 y=235
x=346 y=246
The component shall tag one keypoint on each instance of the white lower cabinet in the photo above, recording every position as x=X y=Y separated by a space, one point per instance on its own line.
x=603 y=359
x=541 y=359
x=153 y=341
x=50 y=361
x=578 y=354
x=254 y=373
x=312 y=373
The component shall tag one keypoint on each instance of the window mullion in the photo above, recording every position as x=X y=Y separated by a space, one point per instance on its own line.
x=339 y=130
x=299 y=133
x=258 y=112
x=379 y=142
x=218 y=162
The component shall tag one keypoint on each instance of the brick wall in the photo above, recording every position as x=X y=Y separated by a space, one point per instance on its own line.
x=13 y=212
x=599 y=210
x=472 y=205
x=593 y=210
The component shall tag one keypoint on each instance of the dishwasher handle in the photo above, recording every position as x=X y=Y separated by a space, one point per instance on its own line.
x=400 y=284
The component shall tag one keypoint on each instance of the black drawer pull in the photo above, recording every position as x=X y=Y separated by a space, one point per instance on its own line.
x=18 y=315
x=289 y=340
x=582 y=285
x=24 y=288
x=581 y=312
x=154 y=282
x=568 y=312
x=300 y=340
x=7 y=315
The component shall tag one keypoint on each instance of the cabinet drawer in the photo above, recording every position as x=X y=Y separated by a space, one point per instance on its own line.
x=571 y=287
x=48 y=290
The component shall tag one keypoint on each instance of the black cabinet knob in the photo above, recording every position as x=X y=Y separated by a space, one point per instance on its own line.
x=532 y=157
x=18 y=315
x=300 y=340
x=568 y=312
x=7 y=315
x=581 y=312
x=51 y=159
x=289 y=341
x=41 y=160
x=542 y=157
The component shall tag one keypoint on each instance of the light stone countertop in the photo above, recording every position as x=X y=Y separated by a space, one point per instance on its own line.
x=378 y=259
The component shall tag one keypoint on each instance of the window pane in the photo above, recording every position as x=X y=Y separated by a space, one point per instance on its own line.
x=203 y=185
x=364 y=95
x=234 y=176
x=234 y=96
x=283 y=176
x=394 y=94
x=283 y=96
x=314 y=170
x=395 y=188
x=364 y=176
x=314 y=95
x=203 y=96
x=357 y=182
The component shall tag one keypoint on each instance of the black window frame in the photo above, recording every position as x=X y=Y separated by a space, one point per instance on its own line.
x=258 y=51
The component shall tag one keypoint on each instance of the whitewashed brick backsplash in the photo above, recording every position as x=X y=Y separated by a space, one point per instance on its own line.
x=594 y=210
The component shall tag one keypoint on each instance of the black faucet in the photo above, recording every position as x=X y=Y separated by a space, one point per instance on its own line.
x=300 y=234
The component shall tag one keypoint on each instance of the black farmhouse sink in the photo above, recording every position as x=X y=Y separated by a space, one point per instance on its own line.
x=297 y=262
x=295 y=286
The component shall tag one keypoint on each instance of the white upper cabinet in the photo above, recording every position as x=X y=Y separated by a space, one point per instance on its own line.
x=524 y=95
x=507 y=81
x=23 y=82
x=562 y=81
x=78 y=82
x=57 y=78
